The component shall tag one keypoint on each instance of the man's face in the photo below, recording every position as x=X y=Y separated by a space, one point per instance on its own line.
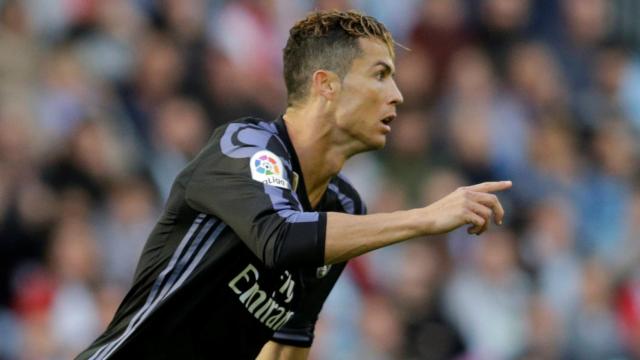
x=366 y=104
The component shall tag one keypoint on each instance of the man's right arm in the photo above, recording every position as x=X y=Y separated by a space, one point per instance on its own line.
x=271 y=222
x=348 y=236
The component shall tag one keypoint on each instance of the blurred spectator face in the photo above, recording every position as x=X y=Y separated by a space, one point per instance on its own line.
x=410 y=136
x=586 y=19
x=414 y=76
x=496 y=255
x=13 y=17
x=471 y=76
x=160 y=68
x=64 y=72
x=221 y=78
x=132 y=202
x=506 y=15
x=420 y=273
x=552 y=225
x=120 y=19
x=181 y=126
x=90 y=148
x=469 y=135
x=545 y=331
x=17 y=141
x=186 y=17
x=443 y=14
x=553 y=151
x=615 y=148
x=73 y=251
x=36 y=205
x=610 y=68
x=542 y=88
x=381 y=325
x=74 y=202
x=596 y=286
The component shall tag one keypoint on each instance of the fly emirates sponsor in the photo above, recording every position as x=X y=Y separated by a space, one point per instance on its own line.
x=263 y=307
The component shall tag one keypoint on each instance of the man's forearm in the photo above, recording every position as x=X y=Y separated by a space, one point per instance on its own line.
x=348 y=236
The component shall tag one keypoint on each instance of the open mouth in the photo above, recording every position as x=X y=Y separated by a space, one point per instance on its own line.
x=387 y=120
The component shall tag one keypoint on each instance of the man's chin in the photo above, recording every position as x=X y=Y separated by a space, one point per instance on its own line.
x=377 y=144
x=371 y=145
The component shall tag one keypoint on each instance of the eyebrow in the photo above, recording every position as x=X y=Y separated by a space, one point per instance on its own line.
x=387 y=67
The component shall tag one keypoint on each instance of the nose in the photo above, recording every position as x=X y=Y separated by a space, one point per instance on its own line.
x=396 y=96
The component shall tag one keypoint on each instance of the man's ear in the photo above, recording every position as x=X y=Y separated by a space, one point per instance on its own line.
x=325 y=83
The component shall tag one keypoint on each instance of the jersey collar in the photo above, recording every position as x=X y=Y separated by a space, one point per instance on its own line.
x=295 y=163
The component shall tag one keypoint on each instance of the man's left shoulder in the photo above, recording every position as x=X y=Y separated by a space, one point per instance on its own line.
x=245 y=137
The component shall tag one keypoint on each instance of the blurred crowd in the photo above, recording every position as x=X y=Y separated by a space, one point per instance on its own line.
x=102 y=102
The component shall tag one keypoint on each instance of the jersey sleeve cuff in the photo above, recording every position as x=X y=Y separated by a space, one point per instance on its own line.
x=305 y=246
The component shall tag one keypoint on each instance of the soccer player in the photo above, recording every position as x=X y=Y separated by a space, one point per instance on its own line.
x=258 y=227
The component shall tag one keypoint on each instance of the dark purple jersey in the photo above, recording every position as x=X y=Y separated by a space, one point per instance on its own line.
x=236 y=258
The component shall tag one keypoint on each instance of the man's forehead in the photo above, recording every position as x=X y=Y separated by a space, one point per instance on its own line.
x=374 y=52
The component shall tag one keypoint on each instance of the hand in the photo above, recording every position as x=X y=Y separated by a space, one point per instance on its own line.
x=474 y=205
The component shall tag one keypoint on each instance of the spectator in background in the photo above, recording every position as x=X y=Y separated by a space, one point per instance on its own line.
x=539 y=91
x=440 y=32
x=500 y=25
x=409 y=148
x=593 y=333
x=470 y=103
x=428 y=331
x=159 y=75
x=75 y=263
x=545 y=334
x=486 y=300
x=583 y=25
x=130 y=214
x=179 y=131
x=550 y=250
x=248 y=26
x=607 y=191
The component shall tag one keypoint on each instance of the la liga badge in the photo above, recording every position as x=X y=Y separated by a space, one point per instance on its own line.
x=267 y=168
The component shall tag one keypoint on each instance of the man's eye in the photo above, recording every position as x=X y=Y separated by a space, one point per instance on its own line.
x=380 y=75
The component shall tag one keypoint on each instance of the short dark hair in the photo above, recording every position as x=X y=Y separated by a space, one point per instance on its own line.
x=326 y=40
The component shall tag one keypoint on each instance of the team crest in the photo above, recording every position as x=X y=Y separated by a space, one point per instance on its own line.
x=267 y=168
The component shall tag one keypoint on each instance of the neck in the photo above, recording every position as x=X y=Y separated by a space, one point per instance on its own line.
x=320 y=154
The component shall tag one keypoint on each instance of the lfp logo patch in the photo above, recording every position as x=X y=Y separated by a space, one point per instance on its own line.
x=267 y=165
x=267 y=168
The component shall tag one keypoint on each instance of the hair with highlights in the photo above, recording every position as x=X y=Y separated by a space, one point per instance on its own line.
x=326 y=40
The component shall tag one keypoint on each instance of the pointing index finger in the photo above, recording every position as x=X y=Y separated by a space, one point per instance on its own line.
x=491 y=186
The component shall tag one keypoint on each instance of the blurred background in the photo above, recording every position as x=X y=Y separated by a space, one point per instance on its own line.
x=102 y=102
